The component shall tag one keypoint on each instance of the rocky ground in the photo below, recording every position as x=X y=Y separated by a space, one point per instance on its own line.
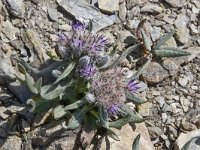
x=30 y=29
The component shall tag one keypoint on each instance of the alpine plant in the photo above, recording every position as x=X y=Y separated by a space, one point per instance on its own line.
x=87 y=84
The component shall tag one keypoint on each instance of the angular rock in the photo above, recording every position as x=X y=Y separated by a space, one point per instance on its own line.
x=182 y=32
x=7 y=72
x=83 y=11
x=154 y=73
x=177 y=3
x=186 y=137
x=144 y=109
x=154 y=132
x=108 y=6
x=33 y=42
x=127 y=136
x=131 y=3
x=187 y=126
x=152 y=8
x=16 y=7
x=122 y=11
x=9 y=30
x=12 y=143
x=20 y=91
x=53 y=14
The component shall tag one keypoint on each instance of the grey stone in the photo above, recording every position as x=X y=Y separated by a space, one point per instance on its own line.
x=164 y=117
x=166 y=108
x=133 y=24
x=194 y=29
x=7 y=72
x=16 y=7
x=182 y=32
x=177 y=3
x=108 y=6
x=83 y=11
x=20 y=91
x=167 y=19
x=53 y=14
x=186 y=137
x=154 y=132
x=3 y=112
x=187 y=126
x=9 y=30
x=160 y=100
x=122 y=11
x=131 y=3
x=12 y=143
x=135 y=11
x=152 y=8
x=155 y=33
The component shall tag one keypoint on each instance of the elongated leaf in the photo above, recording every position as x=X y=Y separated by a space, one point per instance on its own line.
x=112 y=134
x=163 y=39
x=41 y=105
x=54 y=91
x=90 y=25
x=77 y=118
x=141 y=69
x=75 y=105
x=146 y=41
x=170 y=53
x=120 y=122
x=114 y=51
x=59 y=112
x=120 y=58
x=38 y=85
x=136 y=143
x=66 y=72
x=30 y=83
x=103 y=117
x=135 y=117
x=136 y=100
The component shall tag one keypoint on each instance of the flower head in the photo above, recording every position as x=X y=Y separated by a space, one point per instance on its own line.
x=109 y=89
x=78 y=26
x=113 y=110
x=87 y=71
x=98 y=43
x=133 y=86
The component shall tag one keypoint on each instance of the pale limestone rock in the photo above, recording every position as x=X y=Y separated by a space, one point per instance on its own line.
x=109 y=6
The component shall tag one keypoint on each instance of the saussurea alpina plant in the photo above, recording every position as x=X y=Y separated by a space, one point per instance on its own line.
x=92 y=89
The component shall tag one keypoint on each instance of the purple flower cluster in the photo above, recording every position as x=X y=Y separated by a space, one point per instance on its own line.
x=109 y=89
x=133 y=86
x=82 y=42
x=87 y=71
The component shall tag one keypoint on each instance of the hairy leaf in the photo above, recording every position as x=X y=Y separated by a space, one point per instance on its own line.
x=112 y=134
x=136 y=100
x=170 y=53
x=135 y=117
x=30 y=83
x=136 y=143
x=75 y=105
x=120 y=58
x=120 y=122
x=38 y=85
x=77 y=118
x=66 y=72
x=103 y=117
x=41 y=105
x=59 y=112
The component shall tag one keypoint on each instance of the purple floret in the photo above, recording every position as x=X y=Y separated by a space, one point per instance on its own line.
x=98 y=44
x=133 y=86
x=113 y=110
x=87 y=71
x=78 y=26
